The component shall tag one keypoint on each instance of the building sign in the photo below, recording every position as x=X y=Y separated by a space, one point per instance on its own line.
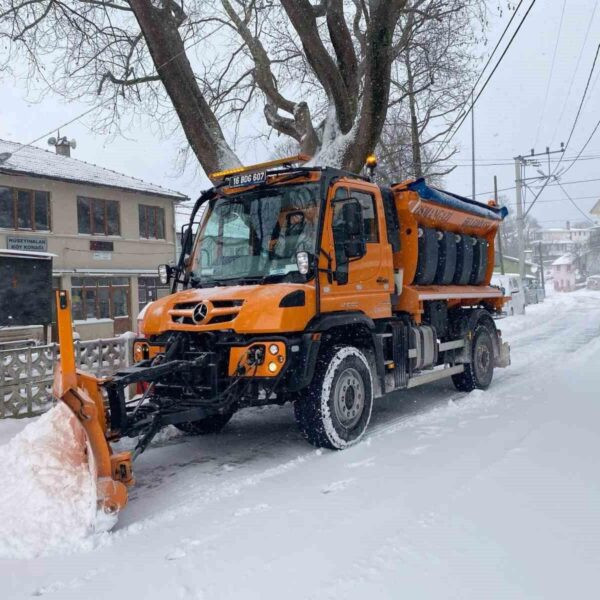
x=102 y=255
x=101 y=246
x=30 y=244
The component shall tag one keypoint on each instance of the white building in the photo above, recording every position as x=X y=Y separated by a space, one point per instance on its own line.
x=564 y=273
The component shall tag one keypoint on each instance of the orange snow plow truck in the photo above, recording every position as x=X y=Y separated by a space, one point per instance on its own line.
x=299 y=284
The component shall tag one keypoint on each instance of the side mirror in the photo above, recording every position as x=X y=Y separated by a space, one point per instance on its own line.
x=355 y=243
x=164 y=274
x=353 y=218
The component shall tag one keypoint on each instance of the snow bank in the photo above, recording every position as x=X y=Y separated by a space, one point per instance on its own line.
x=47 y=493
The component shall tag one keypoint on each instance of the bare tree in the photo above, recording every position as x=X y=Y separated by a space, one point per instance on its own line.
x=431 y=83
x=322 y=72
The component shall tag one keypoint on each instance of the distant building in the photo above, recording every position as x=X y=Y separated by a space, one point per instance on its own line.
x=108 y=231
x=595 y=212
x=564 y=273
x=511 y=265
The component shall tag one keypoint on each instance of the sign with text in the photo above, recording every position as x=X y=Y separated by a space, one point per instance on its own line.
x=30 y=244
x=101 y=246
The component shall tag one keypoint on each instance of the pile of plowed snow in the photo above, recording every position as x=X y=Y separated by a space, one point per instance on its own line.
x=47 y=493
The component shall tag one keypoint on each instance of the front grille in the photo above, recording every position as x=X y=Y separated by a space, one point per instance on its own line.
x=220 y=311
x=222 y=318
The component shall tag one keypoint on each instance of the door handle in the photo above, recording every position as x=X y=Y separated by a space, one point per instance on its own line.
x=382 y=280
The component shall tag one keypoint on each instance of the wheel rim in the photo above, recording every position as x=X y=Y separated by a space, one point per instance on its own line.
x=349 y=398
x=483 y=359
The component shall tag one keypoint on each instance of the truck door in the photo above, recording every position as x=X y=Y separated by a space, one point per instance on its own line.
x=362 y=284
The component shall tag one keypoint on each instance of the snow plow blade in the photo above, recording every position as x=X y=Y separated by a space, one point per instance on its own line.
x=81 y=392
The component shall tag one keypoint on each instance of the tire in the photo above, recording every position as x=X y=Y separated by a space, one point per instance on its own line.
x=212 y=424
x=428 y=257
x=479 y=372
x=336 y=410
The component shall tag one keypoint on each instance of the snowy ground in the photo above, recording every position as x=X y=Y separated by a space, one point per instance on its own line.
x=491 y=494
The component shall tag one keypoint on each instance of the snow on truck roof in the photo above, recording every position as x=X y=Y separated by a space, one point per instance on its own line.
x=452 y=200
x=37 y=162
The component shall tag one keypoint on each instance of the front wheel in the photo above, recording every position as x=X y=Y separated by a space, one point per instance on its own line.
x=212 y=424
x=337 y=408
x=479 y=372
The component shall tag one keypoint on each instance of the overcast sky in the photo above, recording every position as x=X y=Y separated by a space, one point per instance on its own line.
x=527 y=104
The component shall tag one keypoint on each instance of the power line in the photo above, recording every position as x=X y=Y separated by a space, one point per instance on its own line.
x=462 y=120
x=585 y=38
x=562 y=15
x=582 y=148
x=106 y=101
x=587 y=85
x=549 y=185
x=573 y=203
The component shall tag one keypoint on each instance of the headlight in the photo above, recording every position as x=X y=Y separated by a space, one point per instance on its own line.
x=164 y=274
x=302 y=262
x=272 y=367
x=274 y=349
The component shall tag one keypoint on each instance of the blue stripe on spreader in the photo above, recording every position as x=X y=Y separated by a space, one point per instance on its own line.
x=455 y=201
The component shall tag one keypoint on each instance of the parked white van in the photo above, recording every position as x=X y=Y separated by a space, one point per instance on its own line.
x=511 y=286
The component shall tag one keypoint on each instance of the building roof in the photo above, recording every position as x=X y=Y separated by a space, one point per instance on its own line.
x=565 y=259
x=516 y=260
x=36 y=162
x=596 y=208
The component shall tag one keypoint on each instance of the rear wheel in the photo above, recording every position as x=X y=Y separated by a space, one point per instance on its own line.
x=336 y=410
x=212 y=424
x=479 y=372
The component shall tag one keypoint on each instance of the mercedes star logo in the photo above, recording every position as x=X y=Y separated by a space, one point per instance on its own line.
x=200 y=312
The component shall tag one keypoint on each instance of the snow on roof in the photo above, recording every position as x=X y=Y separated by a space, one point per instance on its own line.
x=565 y=259
x=30 y=160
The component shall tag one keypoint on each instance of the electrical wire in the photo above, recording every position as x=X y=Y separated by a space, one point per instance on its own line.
x=575 y=71
x=542 y=113
x=447 y=139
x=549 y=185
x=573 y=203
x=103 y=102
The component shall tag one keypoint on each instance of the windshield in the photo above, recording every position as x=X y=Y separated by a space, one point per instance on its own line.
x=256 y=235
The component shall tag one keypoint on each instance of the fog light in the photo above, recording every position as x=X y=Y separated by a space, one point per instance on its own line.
x=272 y=367
x=273 y=349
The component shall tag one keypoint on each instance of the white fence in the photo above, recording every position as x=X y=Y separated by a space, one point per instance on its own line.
x=26 y=373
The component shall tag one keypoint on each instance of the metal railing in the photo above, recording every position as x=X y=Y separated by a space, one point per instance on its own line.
x=26 y=373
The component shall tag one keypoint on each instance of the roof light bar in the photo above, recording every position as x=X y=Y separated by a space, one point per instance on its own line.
x=289 y=160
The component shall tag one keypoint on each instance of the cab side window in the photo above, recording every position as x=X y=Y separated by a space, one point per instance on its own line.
x=367 y=201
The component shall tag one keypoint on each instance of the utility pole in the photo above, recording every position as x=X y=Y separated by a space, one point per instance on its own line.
x=520 y=163
x=520 y=220
x=541 y=257
x=499 y=234
x=473 y=143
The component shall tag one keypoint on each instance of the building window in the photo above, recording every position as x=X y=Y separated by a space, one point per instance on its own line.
x=150 y=289
x=24 y=209
x=98 y=217
x=100 y=297
x=152 y=222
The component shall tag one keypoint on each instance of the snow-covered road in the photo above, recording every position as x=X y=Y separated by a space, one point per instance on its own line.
x=491 y=494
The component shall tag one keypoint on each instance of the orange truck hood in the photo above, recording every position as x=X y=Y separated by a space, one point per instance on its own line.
x=249 y=309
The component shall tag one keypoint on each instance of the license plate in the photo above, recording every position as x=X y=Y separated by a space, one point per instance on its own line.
x=244 y=179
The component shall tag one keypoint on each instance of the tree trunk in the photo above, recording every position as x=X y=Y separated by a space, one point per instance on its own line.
x=159 y=25
x=414 y=124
